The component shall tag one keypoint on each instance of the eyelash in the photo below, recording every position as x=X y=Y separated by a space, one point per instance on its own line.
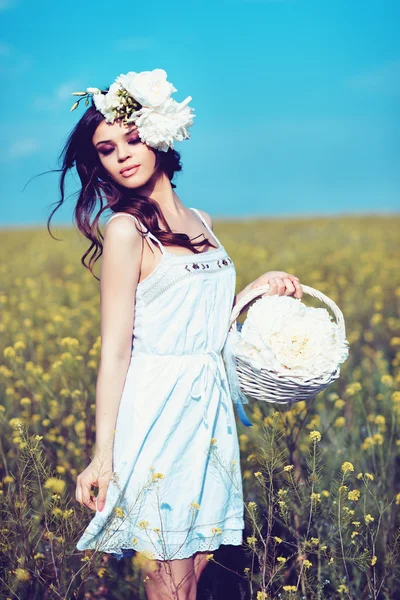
x=107 y=152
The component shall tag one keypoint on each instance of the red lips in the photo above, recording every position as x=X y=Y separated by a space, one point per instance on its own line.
x=128 y=168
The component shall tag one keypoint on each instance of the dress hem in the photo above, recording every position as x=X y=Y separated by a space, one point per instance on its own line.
x=229 y=537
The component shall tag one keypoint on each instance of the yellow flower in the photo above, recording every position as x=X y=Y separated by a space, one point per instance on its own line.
x=354 y=534
x=213 y=441
x=314 y=541
x=353 y=388
x=356 y=523
x=195 y=505
x=258 y=474
x=262 y=596
x=307 y=564
x=216 y=530
x=360 y=476
x=22 y=574
x=387 y=380
x=349 y=512
x=9 y=352
x=315 y=497
x=55 y=485
x=143 y=524
x=342 y=589
x=325 y=493
x=373 y=560
x=289 y=588
x=367 y=443
x=251 y=540
x=315 y=436
x=252 y=505
x=368 y=519
x=281 y=559
x=369 y=476
x=339 y=403
x=396 y=396
x=278 y=539
x=397 y=497
x=209 y=556
x=354 y=495
x=119 y=512
x=288 y=468
x=347 y=467
x=156 y=476
x=342 y=488
x=340 y=422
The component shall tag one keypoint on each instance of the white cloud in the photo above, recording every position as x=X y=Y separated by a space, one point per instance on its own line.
x=5 y=49
x=6 y=4
x=13 y=63
x=139 y=43
x=383 y=78
x=24 y=147
x=58 y=97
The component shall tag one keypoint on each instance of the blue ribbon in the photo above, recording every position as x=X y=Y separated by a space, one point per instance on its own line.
x=238 y=397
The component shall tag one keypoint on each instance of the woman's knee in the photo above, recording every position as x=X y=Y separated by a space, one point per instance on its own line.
x=172 y=579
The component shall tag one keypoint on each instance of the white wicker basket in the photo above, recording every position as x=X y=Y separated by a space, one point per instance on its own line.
x=277 y=388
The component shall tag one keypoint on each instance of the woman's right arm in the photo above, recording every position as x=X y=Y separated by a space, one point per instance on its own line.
x=119 y=275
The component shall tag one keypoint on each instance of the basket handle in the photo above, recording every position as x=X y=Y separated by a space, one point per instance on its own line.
x=259 y=291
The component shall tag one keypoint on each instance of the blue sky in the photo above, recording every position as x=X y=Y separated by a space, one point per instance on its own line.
x=296 y=101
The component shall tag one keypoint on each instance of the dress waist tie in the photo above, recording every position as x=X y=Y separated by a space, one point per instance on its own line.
x=211 y=362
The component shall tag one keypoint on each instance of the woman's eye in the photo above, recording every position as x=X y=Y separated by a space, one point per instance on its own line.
x=107 y=152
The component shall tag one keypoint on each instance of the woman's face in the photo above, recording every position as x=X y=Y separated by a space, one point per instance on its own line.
x=118 y=147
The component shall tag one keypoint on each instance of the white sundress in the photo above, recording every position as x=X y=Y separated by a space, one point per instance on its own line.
x=176 y=486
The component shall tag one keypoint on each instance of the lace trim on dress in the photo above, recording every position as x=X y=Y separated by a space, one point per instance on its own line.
x=156 y=549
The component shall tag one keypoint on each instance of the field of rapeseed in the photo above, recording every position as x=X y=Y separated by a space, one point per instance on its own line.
x=321 y=480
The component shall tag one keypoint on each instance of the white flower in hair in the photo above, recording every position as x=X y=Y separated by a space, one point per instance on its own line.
x=107 y=103
x=144 y=99
x=149 y=88
x=283 y=334
x=158 y=127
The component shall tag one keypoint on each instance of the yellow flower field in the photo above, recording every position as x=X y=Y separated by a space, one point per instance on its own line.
x=321 y=480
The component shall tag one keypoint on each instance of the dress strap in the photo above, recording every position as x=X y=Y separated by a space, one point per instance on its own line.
x=142 y=227
x=207 y=225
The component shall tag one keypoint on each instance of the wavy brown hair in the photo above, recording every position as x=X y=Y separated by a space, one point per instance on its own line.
x=100 y=192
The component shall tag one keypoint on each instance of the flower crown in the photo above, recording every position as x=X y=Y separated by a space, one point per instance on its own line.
x=144 y=99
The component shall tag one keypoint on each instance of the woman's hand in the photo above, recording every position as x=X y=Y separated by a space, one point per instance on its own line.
x=280 y=282
x=97 y=473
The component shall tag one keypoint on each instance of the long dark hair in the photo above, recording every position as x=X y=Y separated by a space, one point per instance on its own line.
x=99 y=187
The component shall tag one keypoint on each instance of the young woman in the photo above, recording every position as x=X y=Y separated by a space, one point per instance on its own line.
x=166 y=459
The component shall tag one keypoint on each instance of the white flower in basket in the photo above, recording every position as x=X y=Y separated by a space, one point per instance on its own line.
x=285 y=351
x=283 y=334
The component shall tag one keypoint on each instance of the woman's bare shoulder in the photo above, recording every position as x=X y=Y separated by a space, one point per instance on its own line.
x=206 y=217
